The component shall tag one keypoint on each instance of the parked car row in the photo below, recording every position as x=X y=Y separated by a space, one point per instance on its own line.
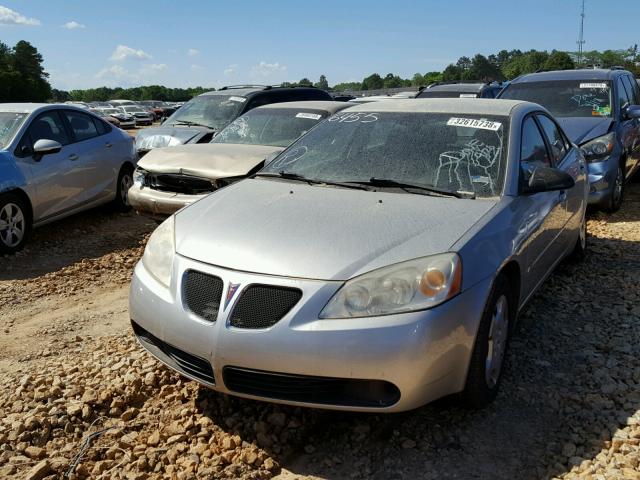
x=143 y=112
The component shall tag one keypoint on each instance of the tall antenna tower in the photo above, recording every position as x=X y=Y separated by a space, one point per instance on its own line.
x=580 y=41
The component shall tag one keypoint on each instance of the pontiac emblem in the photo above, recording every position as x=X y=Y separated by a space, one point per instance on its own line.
x=231 y=291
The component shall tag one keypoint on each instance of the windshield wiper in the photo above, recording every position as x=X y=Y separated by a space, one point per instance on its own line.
x=191 y=124
x=310 y=181
x=407 y=187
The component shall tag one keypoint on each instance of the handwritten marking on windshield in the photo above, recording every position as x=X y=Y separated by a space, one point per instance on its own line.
x=362 y=117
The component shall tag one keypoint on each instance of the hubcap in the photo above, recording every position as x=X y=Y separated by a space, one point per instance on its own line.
x=12 y=225
x=497 y=341
x=617 y=187
x=125 y=184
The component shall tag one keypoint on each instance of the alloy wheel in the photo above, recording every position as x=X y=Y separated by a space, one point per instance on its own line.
x=498 y=334
x=12 y=225
x=126 y=182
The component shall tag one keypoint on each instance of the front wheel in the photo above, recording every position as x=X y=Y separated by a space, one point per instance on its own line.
x=487 y=359
x=14 y=223
x=617 y=192
x=125 y=182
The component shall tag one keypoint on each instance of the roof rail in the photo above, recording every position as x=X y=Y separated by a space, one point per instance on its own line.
x=617 y=67
x=229 y=87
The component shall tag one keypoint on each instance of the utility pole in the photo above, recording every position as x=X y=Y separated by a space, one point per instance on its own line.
x=581 y=35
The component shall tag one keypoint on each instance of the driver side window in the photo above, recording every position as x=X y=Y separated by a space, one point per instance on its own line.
x=533 y=150
x=46 y=126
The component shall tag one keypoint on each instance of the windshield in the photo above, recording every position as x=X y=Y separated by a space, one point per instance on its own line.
x=269 y=126
x=460 y=152
x=10 y=122
x=214 y=111
x=134 y=109
x=565 y=98
x=111 y=111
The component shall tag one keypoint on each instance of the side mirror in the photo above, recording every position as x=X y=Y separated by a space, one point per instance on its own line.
x=547 y=179
x=46 y=147
x=633 y=111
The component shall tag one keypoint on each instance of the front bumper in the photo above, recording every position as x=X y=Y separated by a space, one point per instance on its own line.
x=602 y=177
x=422 y=355
x=157 y=203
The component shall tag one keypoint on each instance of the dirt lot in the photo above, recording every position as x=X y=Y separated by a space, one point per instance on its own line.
x=69 y=368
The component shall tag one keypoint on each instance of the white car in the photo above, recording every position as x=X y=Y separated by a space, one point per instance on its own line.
x=142 y=116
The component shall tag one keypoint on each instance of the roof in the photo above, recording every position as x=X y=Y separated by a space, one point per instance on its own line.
x=581 y=74
x=323 y=105
x=242 y=91
x=32 y=107
x=472 y=106
x=457 y=87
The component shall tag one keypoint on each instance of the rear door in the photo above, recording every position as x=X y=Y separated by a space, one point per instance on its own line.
x=545 y=211
x=94 y=152
x=627 y=125
x=56 y=178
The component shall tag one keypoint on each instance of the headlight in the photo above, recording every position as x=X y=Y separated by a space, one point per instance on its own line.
x=139 y=176
x=158 y=255
x=405 y=287
x=599 y=148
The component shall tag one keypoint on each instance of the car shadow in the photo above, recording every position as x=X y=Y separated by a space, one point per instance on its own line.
x=570 y=382
x=90 y=234
x=630 y=211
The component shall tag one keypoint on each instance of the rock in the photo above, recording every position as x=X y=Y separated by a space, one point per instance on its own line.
x=408 y=443
x=278 y=419
x=129 y=414
x=154 y=438
x=39 y=471
x=569 y=449
x=150 y=379
x=34 y=453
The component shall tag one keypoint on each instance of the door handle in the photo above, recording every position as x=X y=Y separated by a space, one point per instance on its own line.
x=73 y=157
x=108 y=145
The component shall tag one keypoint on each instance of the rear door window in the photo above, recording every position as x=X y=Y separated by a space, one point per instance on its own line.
x=82 y=125
x=632 y=89
x=621 y=93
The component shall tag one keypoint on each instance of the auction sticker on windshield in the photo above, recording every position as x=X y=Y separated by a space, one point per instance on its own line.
x=474 y=123
x=312 y=116
x=594 y=85
x=238 y=99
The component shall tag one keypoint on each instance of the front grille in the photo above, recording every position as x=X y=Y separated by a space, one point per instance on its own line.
x=202 y=294
x=262 y=306
x=308 y=389
x=177 y=183
x=184 y=362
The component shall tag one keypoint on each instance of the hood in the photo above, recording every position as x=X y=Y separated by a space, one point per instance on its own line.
x=159 y=137
x=297 y=230
x=583 y=129
x=209 y=160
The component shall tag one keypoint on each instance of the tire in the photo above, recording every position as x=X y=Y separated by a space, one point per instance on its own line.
x=617 y=192
x=125 y=182
x=15 y=223
x=489 y=350
x=580 y=249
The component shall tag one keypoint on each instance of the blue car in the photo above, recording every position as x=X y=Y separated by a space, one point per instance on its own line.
x=599 y=110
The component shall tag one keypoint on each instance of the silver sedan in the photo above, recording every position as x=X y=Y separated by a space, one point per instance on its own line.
x=56 y=160
x=376 y=264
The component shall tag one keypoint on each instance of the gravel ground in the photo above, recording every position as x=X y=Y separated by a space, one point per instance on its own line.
x=79 y=397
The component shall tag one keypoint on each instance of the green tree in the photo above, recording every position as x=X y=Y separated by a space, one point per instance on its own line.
x=346 y=86
x=305 y=82
x=322 y=83
x=482 y=69
x=612 y=58
x=529 y=62
x=559 y=61
x=372 y=82
x=392 y=81
x=452 y=73
x=27 y=78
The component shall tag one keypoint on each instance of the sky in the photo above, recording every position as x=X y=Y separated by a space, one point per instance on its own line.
x=88 y=43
